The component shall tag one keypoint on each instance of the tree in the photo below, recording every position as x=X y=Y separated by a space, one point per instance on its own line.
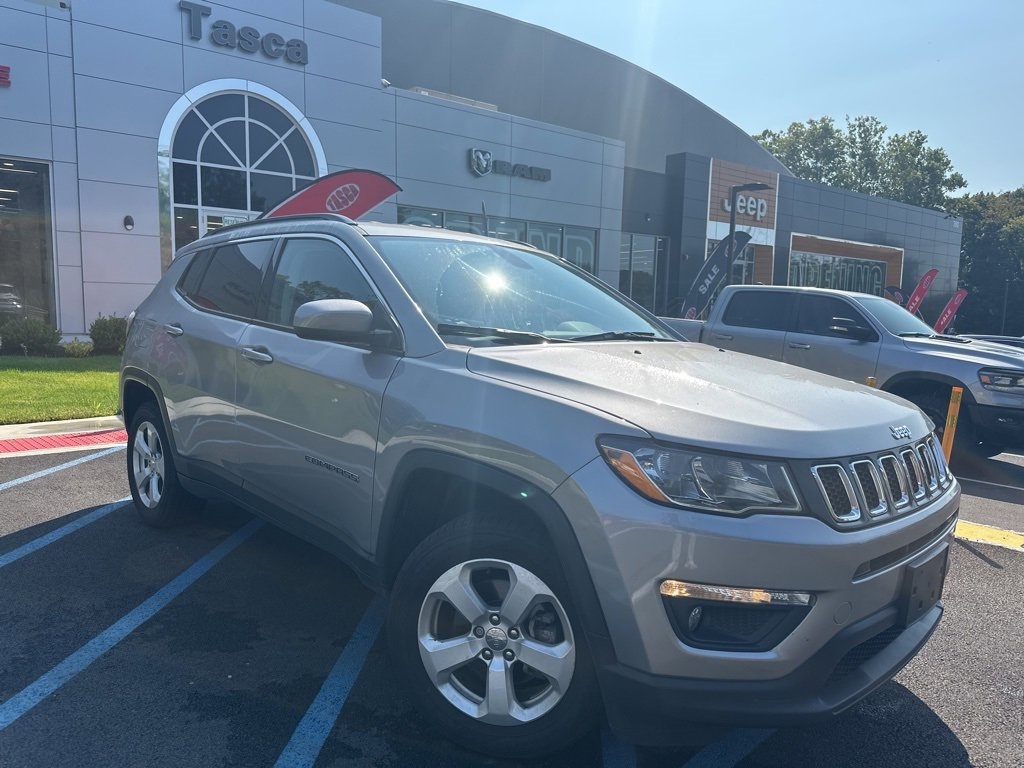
x=992 y=262
x=863 y=158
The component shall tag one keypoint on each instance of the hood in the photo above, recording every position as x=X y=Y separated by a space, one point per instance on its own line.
x=982 y=353
x=698 y=395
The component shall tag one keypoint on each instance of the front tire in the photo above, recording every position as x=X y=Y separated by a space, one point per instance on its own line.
x=159 y=497
x=483 y=632
x=935 y=404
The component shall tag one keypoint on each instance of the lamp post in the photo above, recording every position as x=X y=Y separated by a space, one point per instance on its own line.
x=733 y=192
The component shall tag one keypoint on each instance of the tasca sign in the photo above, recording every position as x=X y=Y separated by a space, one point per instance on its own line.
x=247 y=39
x=482 y=162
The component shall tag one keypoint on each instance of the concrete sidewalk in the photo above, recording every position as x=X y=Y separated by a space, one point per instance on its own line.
x=59 y=436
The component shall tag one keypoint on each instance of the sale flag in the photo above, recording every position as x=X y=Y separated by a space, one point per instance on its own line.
x=947 y=315
x=711 y=275
x=922 y=288
x=351 y=193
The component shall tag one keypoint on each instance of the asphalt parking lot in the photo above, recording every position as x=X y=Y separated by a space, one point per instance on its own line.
x=225 y=642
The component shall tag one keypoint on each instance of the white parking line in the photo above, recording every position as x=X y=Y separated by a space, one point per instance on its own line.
x=38 y=691
x=60 y=467
x=312 y=731
x=731 y=750
x=48 y=538
x=615 y=753
x=989 y=482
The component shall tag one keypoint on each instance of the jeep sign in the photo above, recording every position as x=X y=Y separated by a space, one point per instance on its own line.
x=247 y=39
x=749 y=206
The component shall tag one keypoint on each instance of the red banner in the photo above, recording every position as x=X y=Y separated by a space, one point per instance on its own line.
x=950 y=311
x=922 y=288
x=350 y=193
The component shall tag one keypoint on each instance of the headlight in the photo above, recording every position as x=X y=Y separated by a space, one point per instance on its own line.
x=1002 y=381
x=711 y=482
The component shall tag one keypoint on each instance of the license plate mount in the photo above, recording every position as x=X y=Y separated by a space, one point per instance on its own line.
x=922 y=586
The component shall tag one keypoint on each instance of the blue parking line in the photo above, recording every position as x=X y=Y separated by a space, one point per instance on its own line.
x=46 y=539
x=312 y=731
x=59 y=467
x=36 y=692
x=616 y=753
x=730 y=751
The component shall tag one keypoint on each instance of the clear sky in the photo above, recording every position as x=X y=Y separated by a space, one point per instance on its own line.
x=951 y=69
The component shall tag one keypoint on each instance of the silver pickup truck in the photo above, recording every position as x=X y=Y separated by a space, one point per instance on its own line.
x=861 y=337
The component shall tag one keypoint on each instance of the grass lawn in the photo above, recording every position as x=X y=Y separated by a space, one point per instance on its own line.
x=52 y=388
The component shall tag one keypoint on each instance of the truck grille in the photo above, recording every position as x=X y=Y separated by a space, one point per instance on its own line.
x=886 y=484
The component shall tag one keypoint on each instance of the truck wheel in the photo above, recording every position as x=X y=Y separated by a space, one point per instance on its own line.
x=483 y=632
x=159 y=498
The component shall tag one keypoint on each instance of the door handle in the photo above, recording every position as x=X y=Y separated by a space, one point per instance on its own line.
x=173 y=330
x=256 y=355
x=794 y=345
x=725 y=336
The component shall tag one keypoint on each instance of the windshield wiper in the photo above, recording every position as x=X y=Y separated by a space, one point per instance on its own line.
x=940 y=336
x=525 y=337
x=621 y=336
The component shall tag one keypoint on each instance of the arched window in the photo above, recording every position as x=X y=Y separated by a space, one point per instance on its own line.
x=234 y=156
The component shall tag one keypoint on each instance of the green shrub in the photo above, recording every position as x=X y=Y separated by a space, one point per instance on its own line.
x=29 y=337
x=78 y=348
x=108 y=334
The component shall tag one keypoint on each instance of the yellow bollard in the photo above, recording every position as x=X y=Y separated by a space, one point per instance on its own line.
x=951 y=418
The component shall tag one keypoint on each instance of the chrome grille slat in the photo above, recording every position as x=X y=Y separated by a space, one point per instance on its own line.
x=871 y=487
x=838 y=491
x=885 y=484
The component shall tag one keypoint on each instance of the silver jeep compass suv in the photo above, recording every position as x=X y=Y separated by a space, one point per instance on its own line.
x=571 y=509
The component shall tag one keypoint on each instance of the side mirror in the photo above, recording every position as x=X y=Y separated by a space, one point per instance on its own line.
x=343 y=320
x=844 y=326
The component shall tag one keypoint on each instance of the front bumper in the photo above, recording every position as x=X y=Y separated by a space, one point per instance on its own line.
x=654 y=710
x=998 y=424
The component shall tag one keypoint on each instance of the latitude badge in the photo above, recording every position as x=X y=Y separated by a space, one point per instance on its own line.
x=480 y=161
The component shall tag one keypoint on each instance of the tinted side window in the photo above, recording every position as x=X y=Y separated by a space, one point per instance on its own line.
x=310 y=270
x=769 y=310
x=232 y=280
x=189 y=283
x=816 y=313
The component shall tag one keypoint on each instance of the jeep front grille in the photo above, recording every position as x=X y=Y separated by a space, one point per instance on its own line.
x=886 y=484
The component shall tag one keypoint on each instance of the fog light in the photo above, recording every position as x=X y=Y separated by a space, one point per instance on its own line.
x=694 y=621
x=673 y=588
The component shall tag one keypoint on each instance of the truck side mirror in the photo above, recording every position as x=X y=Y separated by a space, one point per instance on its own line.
x=844 y=326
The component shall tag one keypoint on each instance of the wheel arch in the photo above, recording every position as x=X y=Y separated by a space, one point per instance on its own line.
x=910 y=382
x=430 y=488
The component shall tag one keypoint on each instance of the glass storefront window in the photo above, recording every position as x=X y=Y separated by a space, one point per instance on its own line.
x=235 y=156
x=547 y=237
x=423 y=217
x=841 y=272
x=639 y=275
x=576 y=244
x=465 y=222
x=26 y=241
x=581 y=247
x=507 y=229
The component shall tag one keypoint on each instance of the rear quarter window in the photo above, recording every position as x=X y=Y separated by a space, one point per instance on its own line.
x=769 y=310
x=230 y=281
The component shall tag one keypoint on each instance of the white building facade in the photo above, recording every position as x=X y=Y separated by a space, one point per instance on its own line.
x=130 y=128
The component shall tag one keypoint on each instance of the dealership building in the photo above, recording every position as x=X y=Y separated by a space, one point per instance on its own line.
x=128 y=129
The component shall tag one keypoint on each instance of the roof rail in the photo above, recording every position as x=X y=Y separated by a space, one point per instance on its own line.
x=291 y=217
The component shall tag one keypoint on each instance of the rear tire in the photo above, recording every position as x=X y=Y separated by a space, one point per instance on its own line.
x=159 y=497
x=471 y=675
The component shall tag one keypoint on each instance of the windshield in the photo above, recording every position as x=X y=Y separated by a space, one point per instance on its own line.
x=895 y=318
x=469 y=289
